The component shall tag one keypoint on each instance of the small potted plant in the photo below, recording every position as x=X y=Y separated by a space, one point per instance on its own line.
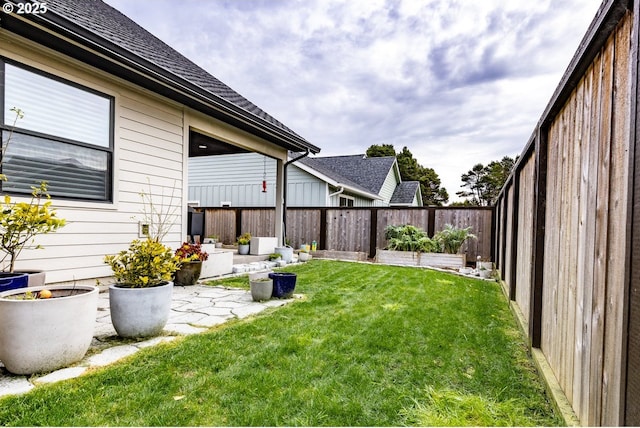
x=140 y=300
x=303 y=254
x=243 y=243
x=191 y=257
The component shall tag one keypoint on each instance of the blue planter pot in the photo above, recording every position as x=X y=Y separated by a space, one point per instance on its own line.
x=284 y=283
x=12 y=281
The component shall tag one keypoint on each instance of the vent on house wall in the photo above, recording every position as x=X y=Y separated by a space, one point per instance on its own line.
x=225 y=204
x=193 y=203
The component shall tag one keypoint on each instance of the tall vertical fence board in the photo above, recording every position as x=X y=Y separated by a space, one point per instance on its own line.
x=351 y=229
x=525 y=236
x=585 y=286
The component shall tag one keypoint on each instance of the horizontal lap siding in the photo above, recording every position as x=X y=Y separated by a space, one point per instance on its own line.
x=582 y=316
x=149 y=141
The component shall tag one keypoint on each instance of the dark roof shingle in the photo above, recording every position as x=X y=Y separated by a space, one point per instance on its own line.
x=358 y=170
x=405 y=193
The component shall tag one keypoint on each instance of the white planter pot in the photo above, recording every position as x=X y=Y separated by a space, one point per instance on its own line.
x=303 y=257
x=42 y=335
x=140 y=312
x=243 y=250
x=285 y=252
x=484 y=273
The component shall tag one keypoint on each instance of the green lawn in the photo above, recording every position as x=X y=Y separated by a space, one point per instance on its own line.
x=368 y=345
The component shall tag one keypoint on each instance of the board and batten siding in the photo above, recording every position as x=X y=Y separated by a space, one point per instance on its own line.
x=389 y=186
x=148 y=148
x=237 y=179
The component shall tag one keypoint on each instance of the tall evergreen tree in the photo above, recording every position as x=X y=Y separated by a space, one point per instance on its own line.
x=411 y=170
x=484 y=183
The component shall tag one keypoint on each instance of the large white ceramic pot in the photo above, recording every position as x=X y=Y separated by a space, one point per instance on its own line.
x=42 y=335
x=140 y=312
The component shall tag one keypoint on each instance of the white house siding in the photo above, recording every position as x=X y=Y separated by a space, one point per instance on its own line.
x=148 y=134
x=304 y=189
x=358 y=201
x=238 y=179
x=389 y=186
x=232 y=178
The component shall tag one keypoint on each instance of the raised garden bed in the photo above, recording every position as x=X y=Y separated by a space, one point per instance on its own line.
x=409 y=258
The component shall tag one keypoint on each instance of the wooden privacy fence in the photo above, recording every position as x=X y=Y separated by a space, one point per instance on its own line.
x=351 y=229
x=567 y=227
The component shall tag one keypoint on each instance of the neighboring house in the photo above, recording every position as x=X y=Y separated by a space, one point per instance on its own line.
x=355 y=180
x=112 y=111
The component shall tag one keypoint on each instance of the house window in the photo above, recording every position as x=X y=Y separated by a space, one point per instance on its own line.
x=346 y=201
x=65 y=137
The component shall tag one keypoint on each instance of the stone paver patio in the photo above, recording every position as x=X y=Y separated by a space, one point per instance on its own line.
x=194 y=310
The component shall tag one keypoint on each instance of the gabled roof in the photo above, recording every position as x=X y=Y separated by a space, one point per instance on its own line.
x=405 y=193
x=97 y=34
x=355 y=170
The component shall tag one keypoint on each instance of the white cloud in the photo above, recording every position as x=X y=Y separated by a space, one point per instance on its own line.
x=456 y=81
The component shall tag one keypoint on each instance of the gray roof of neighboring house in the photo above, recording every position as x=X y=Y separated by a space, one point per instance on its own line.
x=131 y=52
x=405 y=193
x=354 y=170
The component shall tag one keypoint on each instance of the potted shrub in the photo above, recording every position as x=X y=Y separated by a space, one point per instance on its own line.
x=20 y=222
x=191 y=257
x=140 y=300
x=243 y=243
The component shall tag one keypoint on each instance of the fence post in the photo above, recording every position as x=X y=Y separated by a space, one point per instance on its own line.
x=238 y=212
x=431 y=222
x=539 y=218
x=503 y=227
x=322 y=245
x=514 y=235
x=373 y=232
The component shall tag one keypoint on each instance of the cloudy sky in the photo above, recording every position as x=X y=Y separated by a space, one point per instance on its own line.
x=456 y=81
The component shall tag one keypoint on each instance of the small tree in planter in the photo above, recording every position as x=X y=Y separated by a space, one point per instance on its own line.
x=20 y=222
x=191 y=257
x=140 y=301
x=41 y=328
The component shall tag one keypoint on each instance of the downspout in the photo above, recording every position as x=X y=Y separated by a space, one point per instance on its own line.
x=340 y=190
x=284 y=203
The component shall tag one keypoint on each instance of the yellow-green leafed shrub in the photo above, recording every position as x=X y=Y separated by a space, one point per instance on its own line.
x=20 y=222
x=146 y=263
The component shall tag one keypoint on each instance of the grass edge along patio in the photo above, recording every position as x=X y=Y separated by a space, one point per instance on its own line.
x=367 y=345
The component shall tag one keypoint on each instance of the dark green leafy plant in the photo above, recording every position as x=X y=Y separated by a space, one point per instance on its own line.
x=451 y=238
x=410 y=238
